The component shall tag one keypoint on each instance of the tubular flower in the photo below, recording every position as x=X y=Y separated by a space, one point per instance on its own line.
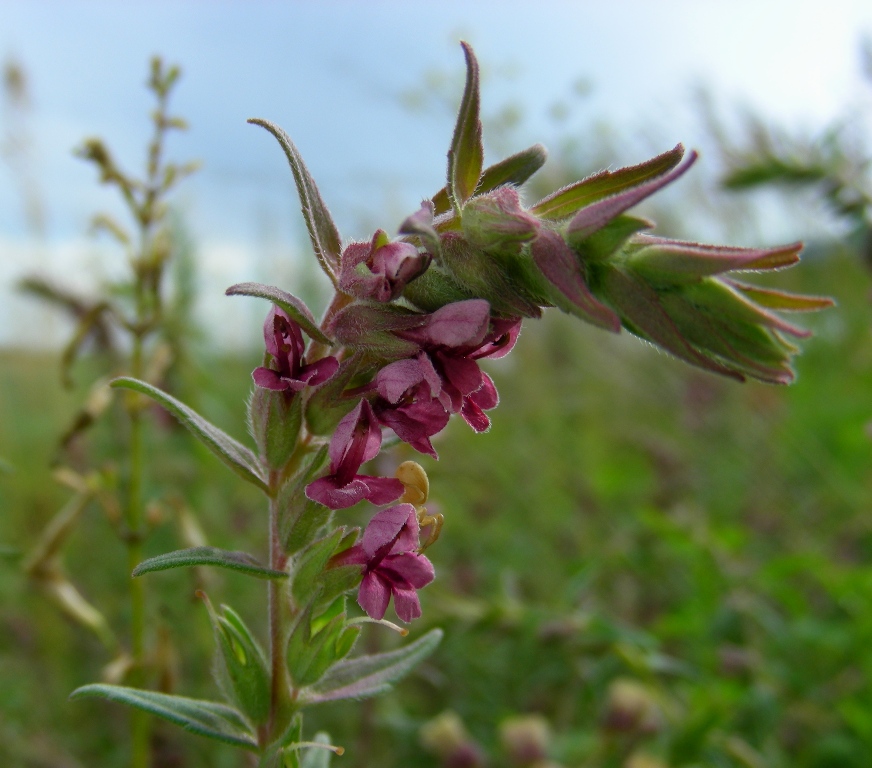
x=357 y=439
x=391 y=563
x=284 y=343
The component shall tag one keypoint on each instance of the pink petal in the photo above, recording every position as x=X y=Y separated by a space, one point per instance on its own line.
x=374 y=595
x=327 y=491
x=320 y=371
x=486 y=396
x=386 y=525
x=393 y=380
x=458 y=324
x=406 y=604
x=381 y=490
x=475 y=416
x=461 y=372
x=412 y=568
x=268 y=379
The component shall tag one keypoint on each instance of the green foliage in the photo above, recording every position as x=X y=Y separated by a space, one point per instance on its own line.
x=205 y=718
x=220 y=558
x=230 y=451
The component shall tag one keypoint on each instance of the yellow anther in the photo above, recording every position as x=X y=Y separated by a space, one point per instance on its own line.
x=414 y=478
x=431 y=524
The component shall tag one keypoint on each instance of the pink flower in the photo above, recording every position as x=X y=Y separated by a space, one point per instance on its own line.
x=380 y=269
x=284 y=343
x=454 y=338
x=357 y=439
x=408 y=402
x=391 y=564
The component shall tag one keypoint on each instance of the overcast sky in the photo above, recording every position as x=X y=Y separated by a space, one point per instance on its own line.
x=332 y=74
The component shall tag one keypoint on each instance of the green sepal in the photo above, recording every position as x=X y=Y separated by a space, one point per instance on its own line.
x=293 y=307
x=485 y=276
x=365 y=676
x=338 y=580
x=233 y=453
x=205 y=718
x=466 y=155
x=274 y=420
x=367 y=327
x=311 y=563
x=322 y=231
x=221 y=558
x=748 y=349
x=605 y=242
x=300 y=518
x=434 y=289
x=565 y=202
x=242 y=664
x=324 y=646
x=514 y=170
x=642 y=313
x=316 y=644
x=346 y=640
x=326 y=405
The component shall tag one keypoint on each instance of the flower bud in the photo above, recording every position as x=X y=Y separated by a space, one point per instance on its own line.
x=380 y=269
x=496 y=221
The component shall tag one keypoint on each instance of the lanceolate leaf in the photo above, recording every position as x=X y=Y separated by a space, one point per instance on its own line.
x=565 y=202
x=235 y=455
x=206 y=718
x=466 y=156
x=786 y=302
x=293 y=307
x=513 y=170
x=595 y=216
x=322 y=231
x=222 y=558
x=366 y=676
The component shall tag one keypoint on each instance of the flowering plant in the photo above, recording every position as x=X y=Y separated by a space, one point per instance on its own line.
x=398 y=351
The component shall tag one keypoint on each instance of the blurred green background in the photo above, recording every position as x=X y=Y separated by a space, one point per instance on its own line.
x=668 y=569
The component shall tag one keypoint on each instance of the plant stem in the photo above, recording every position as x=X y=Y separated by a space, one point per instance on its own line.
x=140 y=721
x=279 y=617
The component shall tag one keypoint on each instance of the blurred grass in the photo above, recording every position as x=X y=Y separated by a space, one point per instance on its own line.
x=625 y=517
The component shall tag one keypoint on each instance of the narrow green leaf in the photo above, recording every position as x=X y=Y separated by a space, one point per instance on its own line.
x=366 y=676
x=466 y=156
x=786 y=302
x=235 y=455
x=514 y=170
x=241 y=664
x=293 y=307
x=222 y=558
x=322 y=231
x=565 y=202
x=205 y=718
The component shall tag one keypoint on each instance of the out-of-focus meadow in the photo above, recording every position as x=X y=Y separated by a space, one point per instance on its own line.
x=642 y=565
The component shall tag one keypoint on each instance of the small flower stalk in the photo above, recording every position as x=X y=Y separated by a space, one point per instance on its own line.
x=397 y=354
